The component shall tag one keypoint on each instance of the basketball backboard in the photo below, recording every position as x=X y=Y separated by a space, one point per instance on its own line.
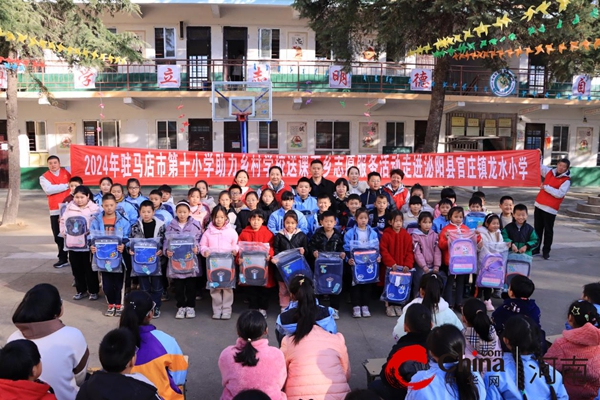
x=240 y=101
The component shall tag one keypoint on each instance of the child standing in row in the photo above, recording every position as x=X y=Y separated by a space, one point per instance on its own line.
x=446 y=193
x=225 y=202
x=377 y=216
x=490 y=235
x=123 y=206
x=396 y=249
x=105 y=184
x=204 y=197
x=267 y=204
x=323 y=204
x=220 y=237
x=276 y=222
x=134 y=191
x=306 y=203
x=411 y=217
x=427 y=254
x=251 y=205
x=506 y=215
x=185 y=284
x=519 y=233
x=198 y=210
x=362 y=233
x=440 y=222
x=160 y=211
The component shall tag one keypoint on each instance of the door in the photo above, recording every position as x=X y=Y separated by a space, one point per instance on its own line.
x=420 y=131
x=534 y=136
x=233 y=137
x=198 y=53
x=200 y=135
x=3 y=155
x=235 y=46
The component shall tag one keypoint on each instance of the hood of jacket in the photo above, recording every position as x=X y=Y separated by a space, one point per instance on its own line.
x=24 y=390
x=213 y=230
x=587 y=335
x=419 y=232
x=188 y=227
x=90 y=208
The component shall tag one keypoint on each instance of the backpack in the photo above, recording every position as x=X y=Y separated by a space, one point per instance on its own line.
x=474 y=220
x=329 y=269
x=183 y=261
x=291 y=263
x=412 y=227
x=76 y=230
x=144 y=260
x=517 y=264
x=254 y=269
x=491 y=274
x=366 y=267
x=220 y=271
x=107 y=258
x=463 y=256
x=397 y=286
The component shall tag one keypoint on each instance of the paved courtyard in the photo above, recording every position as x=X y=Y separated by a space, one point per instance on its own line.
x=27 y=253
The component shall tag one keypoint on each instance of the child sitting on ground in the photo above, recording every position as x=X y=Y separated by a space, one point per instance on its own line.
x=519 y=302
x=591 y=293
x=20 y=369
x=251 y=363
x=479 y=331
x=117 y=355
x=521 y=235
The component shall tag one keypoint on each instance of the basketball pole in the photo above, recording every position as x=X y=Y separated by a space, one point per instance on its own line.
x=244 y=132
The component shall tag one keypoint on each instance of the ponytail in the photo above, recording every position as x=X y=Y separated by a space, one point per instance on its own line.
x=129 y=320
x=306 y=317
x=137 y=307
x=476 y=315
x=433 y=286
x=251 y=325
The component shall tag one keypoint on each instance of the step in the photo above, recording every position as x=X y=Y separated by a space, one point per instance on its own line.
x=594 y=200
x=578 y=214
x=588 y=208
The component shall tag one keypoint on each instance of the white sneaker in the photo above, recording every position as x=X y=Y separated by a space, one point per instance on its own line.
x=365 y=312
x=263 y=312
x=190 y=312
x=336 y=314
x=398 y=310
x=488 y=305
x=180 y=313
x=356 y=312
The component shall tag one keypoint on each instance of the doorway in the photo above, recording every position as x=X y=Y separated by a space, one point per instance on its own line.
x=200 y=135
x=3 y=154
x=233 y=137
x=534 y=136
x=235 y=47
x=198 y=54
x=420 y=131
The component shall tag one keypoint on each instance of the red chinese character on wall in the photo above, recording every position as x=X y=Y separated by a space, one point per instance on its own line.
x=168 y=76
x=340 y=77
x=258 y=75
x=86 y=77
x=420 y=80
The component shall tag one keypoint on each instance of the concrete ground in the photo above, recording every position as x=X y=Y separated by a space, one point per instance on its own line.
x=27 y=253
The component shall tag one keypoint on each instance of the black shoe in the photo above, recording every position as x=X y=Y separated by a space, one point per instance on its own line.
x=546 y=256
x=61 y=263
x=497 y=293
x=535 y=252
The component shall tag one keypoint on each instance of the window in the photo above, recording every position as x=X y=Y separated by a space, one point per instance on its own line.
x=101 y=133
x=36 y=133
x=164 y=42
x=112 y=30
x=332 y=138
x=394 y=134
x=268 y=43
x=167 y=134
x=537 y=76
x=268 y=135
x=560 y=143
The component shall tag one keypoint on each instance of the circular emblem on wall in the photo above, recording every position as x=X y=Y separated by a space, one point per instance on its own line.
x=503 y=82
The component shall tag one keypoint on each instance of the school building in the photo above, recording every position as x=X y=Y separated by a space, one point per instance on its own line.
x=316 y=107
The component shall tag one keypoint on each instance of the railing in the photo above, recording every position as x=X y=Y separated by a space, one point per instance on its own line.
x=298 y=76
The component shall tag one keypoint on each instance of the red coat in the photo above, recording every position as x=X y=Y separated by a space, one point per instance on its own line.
x=443 y=240
x=263 y=235
x=396 y=248
x=24 y=390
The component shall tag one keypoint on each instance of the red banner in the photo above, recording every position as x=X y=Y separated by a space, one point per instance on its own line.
x=156 y=167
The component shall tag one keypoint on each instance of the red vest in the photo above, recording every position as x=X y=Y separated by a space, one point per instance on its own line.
x=63 y=177
x=545 y=198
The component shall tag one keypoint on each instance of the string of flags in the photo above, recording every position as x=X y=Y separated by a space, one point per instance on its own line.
x=20 y=64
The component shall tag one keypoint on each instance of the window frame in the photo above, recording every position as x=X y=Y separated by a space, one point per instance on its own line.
x=270 y=56
x=99 y=136
x=168 y=125
x=273 y=125
x=387 y=142
x=36 y=148
x=556 y=155
x=333 y=150
x=164 y=39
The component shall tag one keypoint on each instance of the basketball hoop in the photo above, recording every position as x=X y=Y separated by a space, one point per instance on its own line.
x=241 y=117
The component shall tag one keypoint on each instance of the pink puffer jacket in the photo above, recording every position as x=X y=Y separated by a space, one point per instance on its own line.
x=223 y=239
x=73 y=210
x=318 y=367
x=427 y=252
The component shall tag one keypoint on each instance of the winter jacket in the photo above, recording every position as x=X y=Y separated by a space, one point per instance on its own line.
x=263 y=235
x=521 y=236
x=287 y=321
x=122 y=225
x=219 y=240
x=503 y=385
x=325 y=186
x=275 y=223
x=409 y=218
x=398 y=196
x=317 y=224
x=584 y=344
x=25 y=390
x=444 y=241
x=359 y=189
x=369 y=196
x=377 y=222
x=444 y=315
x=201 y=214
x=104 y=385
x=346 y=221
x=339 y=205
x=128 y=210
x=161 y=360
x=137 y=201
x=163 y=214
x=309 y=208
x=191 y=228
x=389 y=377
x=439 y=223
x=210 y=202
x=351 y=237
x=267 y=210
x=512 y=307
x=137 y=230
x=268 y=375
x=441 y=387
x=73 y=210
x=318 y=367
x=98 y=198
x=169 y=207
x=279 y=191
x=396 y=248
x=426 y=207
x=426 y=249
x=282 y=243
x=320 y=242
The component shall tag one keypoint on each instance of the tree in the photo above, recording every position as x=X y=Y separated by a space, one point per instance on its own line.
x=74 y=25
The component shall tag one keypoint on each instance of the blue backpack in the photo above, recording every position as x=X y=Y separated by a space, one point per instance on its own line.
x=474 y=220
x=291 y=263
x=397 y=286
x=145 y=262
x=107 y=258
x=220 y=271
x=463 y=257
x=329 y=270
x=366 y=267
x=76 y=231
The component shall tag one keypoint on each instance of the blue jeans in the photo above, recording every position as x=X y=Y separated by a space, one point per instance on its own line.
x=153 y=286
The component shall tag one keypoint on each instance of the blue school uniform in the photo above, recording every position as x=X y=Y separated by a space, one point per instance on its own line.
x=163 y=215
x=169 y=207
x=352 y=235
x=122 y=225
x=440 y=388
x=126 y=208
x=98 y=198
x=275 y=223
x=309 y=208
x=439 y=223
x=503 y=385
x=137 y=202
